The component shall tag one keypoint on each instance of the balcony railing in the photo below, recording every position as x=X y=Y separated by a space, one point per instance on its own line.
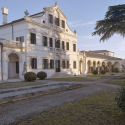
x=56 y=50
x=12 y=44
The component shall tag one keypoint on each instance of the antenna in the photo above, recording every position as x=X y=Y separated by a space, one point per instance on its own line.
x=26 y=12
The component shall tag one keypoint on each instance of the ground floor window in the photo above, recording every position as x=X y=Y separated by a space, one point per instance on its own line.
x=63 y=64
x=51 y=64
x=67 y=64
x=74 y=64
x=45 y=63
x=34 y=63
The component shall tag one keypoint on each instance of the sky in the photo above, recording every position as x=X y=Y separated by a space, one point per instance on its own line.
x=82 y=16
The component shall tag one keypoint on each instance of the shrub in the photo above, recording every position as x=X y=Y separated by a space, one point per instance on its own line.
x=41 y=75
x=95 y=72
x=103 y=72
x=30 y=76
x=116 y=70
x=120 y=99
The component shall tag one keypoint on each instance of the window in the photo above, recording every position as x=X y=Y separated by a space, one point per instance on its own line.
x=63 y=64
x=57 y=44
x=57 y=21
x=50 y=18
x=63 y=24
x=34 y=63
x=74 y=64
x=50 y=42
x=51 y=64
x=67 y=46
x=45 y=41
x=33 y=38
x=74 y=47
x=67 y=64
x=20 y=38
x=45 y=64
x=63 y=45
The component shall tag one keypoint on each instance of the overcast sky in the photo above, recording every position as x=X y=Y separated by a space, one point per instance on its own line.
x=82 y=16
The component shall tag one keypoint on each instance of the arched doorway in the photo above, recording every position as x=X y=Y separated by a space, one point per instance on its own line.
x=81 y=66
x=94 y=65
x=103 y=67
x=116 y=67
x=89 y=63
x=13 y=66
x=109 y=66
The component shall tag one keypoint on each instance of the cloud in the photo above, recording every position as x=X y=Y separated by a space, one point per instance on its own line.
x=76 y=24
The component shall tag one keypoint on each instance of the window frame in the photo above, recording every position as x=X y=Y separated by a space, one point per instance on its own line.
x=45 y=64
x=57 y=21
x=20 y=38
x=51 y=42
x=33 y=63
x=52 y=62
x=45 y=41
x=50 y=18
x=74 y=47
x=33 y=38
x=67 y=45
x=67 y=64
x=63 y=45
x=57 y=44
x=63 y=64
x=63 y=24
x=74 y=65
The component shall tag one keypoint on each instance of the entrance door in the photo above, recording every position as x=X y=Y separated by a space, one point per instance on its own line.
x=13 y=66
x=58 y=69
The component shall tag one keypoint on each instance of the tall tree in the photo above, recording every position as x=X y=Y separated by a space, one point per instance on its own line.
x=114 y=22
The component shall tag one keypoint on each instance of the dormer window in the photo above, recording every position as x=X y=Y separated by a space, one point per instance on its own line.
x=57 y=21
x=63 y=24
x=50 y=18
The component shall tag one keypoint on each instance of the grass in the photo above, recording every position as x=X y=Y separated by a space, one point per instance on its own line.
x=67 y=79
x=120 y=82
x=18 y=84
x=97 y=110
x=77 y=79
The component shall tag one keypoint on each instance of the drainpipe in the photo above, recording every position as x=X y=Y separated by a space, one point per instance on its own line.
x=1 y=44
x=12 y=32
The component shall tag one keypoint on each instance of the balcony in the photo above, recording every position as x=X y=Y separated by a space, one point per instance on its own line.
x=57 y=51
x=12 y=44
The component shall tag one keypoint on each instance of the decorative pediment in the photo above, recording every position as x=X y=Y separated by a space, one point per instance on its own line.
x=55 y=9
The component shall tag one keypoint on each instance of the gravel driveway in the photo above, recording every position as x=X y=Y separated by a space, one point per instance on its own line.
x=13 y=112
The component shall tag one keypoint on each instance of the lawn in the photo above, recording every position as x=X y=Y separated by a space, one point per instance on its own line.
x=77 y=79
x=120 y=82
x=97 y=110
x=19 y=84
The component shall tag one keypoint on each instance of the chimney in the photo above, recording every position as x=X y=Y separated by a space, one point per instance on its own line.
x=5 y=12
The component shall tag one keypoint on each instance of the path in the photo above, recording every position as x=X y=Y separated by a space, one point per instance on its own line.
x=19 y=110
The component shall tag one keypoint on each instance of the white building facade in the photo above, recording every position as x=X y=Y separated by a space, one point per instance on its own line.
x=40 y=42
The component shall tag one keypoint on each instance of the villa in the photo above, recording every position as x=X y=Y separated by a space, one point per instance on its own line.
x=45 y=42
